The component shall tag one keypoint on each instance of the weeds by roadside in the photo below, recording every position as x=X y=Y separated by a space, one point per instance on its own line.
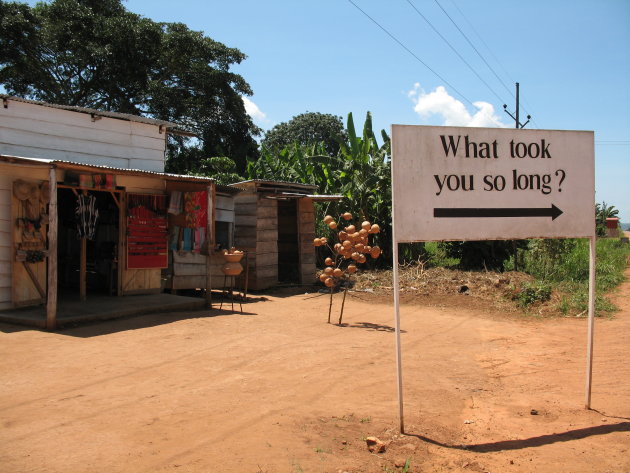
x=554 y=281
x=562 y=266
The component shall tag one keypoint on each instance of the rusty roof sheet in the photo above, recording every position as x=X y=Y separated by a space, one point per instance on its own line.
x=280 y=183
x=136 y=172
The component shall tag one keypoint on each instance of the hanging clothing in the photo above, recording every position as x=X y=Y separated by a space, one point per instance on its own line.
x=187 y=244
x=173 y=237
x=196 y=209
x=199 y=239
x=175 y=203
x=87 y=216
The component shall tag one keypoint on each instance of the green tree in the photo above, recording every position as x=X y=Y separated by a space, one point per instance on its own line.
x=360 y=172
x=221 y=168
x=491 y=255
x=306 y=129
x=602 y=212
x=97 y=54
x=295 y=163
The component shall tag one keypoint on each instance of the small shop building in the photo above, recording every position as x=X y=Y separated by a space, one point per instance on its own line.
x=86 y=210
x=275 y=224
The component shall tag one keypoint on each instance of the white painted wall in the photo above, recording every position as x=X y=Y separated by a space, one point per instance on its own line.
x=37 y=131
x=225 y=209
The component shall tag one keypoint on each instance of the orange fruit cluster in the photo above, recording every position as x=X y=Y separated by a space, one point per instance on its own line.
x=353 y=246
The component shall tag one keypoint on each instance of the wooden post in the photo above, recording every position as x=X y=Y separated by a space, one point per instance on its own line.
x=246 y=283
x=51 y=302
x=210 y=242
x=83 y=270
x=122 y=242
x=83 y=266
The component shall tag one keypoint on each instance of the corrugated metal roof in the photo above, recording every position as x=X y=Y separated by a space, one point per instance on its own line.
x=136 y=172
x=170 y=126
x=325 y=198
x=282 y=183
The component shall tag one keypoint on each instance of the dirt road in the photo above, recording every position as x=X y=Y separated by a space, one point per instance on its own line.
x=277 y=389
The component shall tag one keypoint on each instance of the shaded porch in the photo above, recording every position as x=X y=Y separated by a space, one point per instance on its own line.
x=72 y=310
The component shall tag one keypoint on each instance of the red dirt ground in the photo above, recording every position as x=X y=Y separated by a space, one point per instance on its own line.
x=277 y=389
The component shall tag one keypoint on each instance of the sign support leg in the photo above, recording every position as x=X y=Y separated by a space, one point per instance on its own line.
x=397 y=324
x=591 y=319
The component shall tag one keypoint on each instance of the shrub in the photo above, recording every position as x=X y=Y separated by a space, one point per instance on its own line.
x=532 y=293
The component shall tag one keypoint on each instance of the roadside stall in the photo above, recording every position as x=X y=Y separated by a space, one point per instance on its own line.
x=275 y=225
x=190 y=240
x=74 y=230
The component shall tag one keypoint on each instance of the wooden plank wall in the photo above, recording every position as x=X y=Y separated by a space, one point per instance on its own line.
x=25 y=291
x=306 y=228
x=8 y=174
x=6 y=241
x=256 y=231
x=189 y=270
x=225 y=208
x=37 y=131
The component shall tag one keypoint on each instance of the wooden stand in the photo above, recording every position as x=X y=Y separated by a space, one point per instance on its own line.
x=230 y=290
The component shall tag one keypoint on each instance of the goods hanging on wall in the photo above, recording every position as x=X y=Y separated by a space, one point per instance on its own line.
x=31 y=220
x=189 y=220
x=29 y=240
x=352 y=249
x=147 y=232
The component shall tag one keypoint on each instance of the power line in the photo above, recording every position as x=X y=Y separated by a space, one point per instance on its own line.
x=472 y=27
x=455 y=51
x=473 y=46
x=412 y=53
x=477 y=51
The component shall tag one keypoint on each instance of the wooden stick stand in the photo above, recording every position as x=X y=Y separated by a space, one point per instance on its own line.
x=229 y=290
x=330 y=306
x=343 y=302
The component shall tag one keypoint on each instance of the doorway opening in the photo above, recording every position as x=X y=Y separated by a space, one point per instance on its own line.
x=101 y=252
x=288 y=246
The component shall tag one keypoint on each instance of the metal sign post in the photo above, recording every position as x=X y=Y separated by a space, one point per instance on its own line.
x=456 y=183
x=591 y=319
x=397 y=326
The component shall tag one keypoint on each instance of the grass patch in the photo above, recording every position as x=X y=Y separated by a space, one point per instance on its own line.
x=562 y=266
x=532 y=293
x=437 y=256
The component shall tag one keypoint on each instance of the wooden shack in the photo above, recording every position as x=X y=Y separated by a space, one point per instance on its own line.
x=44 y=256
x=275 y=224
x=56 y=161
x=189 y=269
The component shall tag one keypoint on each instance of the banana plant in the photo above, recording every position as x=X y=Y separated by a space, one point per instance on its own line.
x=360 y=172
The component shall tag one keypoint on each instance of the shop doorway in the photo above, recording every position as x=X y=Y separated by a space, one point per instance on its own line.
x=288 y=246
x=100 y=252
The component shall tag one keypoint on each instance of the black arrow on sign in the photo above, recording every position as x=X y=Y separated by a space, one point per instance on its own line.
x=553 y=212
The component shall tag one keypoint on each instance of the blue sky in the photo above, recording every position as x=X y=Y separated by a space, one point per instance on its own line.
x=571 y=58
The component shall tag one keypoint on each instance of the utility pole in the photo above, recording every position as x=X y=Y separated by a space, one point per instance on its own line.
x=517 y=122
x=518 y=125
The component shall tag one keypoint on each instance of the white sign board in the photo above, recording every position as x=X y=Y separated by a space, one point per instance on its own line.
x=455 y=183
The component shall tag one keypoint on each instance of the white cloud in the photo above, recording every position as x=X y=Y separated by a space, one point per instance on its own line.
x=253 y=111
x=452 y=111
